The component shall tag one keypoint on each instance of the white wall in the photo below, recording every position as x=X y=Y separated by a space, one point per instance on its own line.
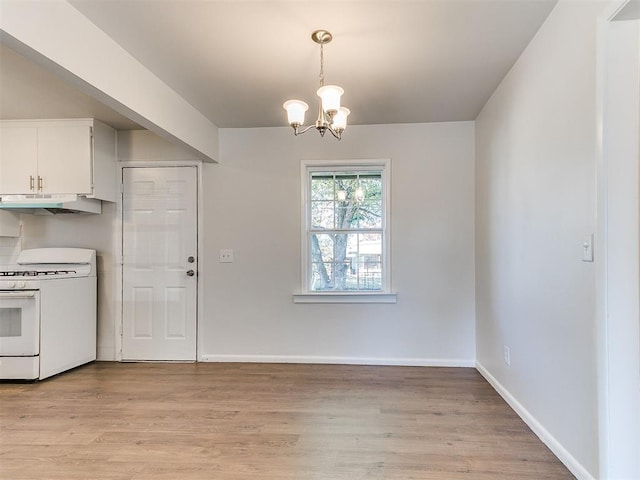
x=535 y=198
x=9 y=224
x=252 y=205
x=9 y=250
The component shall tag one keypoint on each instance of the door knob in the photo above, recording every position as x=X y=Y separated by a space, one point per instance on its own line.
x=191 y=273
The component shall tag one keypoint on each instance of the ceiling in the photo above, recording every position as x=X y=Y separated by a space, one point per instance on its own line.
x=238 y=61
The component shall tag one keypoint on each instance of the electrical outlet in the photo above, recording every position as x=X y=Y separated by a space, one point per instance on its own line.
x=507 y=355
x=226 y=255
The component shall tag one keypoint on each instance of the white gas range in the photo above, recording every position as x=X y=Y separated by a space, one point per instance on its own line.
x=48 y=313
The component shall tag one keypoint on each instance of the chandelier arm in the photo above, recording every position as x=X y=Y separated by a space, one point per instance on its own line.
x=300 y=132
x=338 y=135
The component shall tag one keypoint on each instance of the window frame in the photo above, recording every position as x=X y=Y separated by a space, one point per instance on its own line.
x=384 y=295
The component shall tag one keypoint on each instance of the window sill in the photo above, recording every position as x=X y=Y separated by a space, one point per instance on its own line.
x=345 y=297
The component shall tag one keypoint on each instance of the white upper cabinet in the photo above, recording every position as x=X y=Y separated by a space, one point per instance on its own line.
x=65 y=160
x=58 y=157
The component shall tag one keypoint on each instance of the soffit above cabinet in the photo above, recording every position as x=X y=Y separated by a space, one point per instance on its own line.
x=28 y=90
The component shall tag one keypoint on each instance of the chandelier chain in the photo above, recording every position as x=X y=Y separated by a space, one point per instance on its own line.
x=321 y=65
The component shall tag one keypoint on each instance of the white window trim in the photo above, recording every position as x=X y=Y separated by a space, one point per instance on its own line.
x=308 y=296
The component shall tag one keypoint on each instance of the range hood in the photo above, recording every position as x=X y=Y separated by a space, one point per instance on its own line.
x=50 y=204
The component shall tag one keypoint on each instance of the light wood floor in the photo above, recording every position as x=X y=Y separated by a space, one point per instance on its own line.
x=265 y=422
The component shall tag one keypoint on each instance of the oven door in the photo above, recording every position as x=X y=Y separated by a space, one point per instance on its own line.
x=19 y=323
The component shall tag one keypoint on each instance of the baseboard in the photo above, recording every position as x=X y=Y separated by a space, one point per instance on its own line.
x=543 y=434
x=105 y=354
x=409 y=362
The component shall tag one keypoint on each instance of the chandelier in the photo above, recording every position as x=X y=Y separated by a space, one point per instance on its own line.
x=331 y=116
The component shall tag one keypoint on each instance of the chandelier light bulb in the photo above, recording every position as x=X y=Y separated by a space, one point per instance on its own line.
x=340 y=119
x=330 y=95
x=295 y=111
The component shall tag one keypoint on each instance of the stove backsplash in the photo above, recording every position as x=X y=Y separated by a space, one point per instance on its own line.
x=9 y=250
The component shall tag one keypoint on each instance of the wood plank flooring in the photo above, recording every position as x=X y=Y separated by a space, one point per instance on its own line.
x=121 y=421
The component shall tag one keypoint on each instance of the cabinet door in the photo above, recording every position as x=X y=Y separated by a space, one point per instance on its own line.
x=64 y=159
x=18 y=160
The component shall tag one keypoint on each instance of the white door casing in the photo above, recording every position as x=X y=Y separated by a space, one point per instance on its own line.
x=159 y=235
x=619 y=238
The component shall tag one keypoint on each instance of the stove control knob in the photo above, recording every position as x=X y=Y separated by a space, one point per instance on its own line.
x=12 y=284
x=21 y=284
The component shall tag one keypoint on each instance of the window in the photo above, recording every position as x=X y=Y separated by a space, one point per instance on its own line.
x=345 y=240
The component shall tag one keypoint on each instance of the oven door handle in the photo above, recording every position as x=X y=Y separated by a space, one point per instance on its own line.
x=25 y=294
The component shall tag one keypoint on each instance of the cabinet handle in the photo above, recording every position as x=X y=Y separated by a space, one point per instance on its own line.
x=31 y=182
x=40 y=183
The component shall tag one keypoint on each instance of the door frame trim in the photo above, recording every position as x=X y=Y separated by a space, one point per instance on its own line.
x=610 y=392
x=118 y=321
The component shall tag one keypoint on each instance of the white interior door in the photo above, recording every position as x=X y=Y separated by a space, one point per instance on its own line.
x=160 y=263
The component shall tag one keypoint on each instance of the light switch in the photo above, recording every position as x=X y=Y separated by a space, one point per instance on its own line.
x=226 y=255
x=587 y=248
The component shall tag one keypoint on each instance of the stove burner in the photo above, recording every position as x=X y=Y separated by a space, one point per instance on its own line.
x=35 y=273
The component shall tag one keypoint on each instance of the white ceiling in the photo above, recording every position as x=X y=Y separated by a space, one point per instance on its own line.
x=238 y=61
